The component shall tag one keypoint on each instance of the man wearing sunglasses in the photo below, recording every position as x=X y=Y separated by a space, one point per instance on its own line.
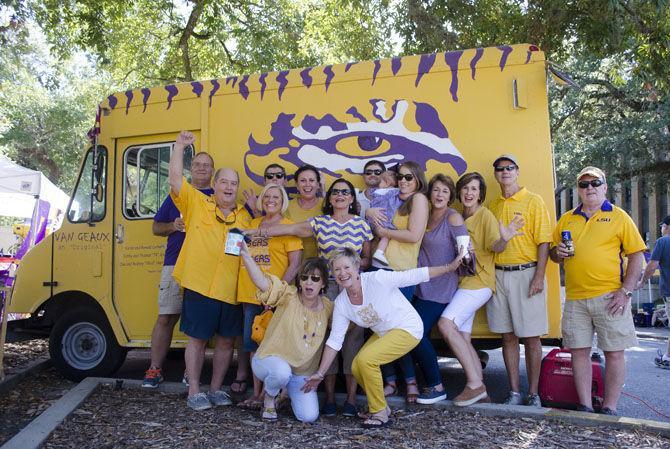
x=207 y=274
x=518 y=308
x=274 y=174
x=371 y=177
x=597 y=290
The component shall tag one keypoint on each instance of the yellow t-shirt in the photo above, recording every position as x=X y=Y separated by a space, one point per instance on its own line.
x=270 y=254
x=484 y=232
x=295 y=333
x=297 y=214
x=600 y=243
x=536 y=230
x=202 y=265
x=402 y=255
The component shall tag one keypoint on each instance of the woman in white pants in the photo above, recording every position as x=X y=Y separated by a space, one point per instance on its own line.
x=487 y=237
x=293 y=342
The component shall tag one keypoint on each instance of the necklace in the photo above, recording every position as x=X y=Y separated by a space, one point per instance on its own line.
x=308 y=337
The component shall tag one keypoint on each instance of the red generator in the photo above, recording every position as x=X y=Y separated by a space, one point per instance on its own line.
x=557 y=388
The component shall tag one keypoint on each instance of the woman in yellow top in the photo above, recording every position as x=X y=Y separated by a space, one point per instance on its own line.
x=279 y=256
x=402 y=252
x=487 y=238
x=293 y=342
x=307 y=204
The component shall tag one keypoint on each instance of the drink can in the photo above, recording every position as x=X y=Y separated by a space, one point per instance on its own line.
x=566 y=238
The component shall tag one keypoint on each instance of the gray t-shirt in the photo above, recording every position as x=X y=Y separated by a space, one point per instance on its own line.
x=661 y=254
x=439 y=248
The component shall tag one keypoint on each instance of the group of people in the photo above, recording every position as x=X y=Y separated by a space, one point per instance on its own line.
x=369 y=273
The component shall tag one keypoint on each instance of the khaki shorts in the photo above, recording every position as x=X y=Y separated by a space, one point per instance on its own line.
x=510 y=310
x=169 y=293
x=582 y=316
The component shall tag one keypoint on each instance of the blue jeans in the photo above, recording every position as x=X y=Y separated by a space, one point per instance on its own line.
x=250 y=312
x=424 y=353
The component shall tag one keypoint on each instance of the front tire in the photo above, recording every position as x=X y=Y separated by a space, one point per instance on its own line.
x=82 y=345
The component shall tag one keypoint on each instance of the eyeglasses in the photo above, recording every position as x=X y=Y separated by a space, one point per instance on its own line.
x=274 y=175
x=501 y=168
x=592 y=183
x=226 y=222
x=343 y=192
x=376 y=171
x=407 y=177
x=313 y=277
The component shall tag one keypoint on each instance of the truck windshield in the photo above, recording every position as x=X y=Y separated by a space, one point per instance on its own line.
x=80 y=205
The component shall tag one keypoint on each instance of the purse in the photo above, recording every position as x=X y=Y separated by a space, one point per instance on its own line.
x=261 y=322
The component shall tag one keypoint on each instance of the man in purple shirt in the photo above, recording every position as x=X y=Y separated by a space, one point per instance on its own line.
x=168 y=223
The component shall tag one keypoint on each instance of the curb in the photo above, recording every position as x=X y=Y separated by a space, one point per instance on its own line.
x=570 y=416
x=33 y=368
x=651 y=336
x=34 y=434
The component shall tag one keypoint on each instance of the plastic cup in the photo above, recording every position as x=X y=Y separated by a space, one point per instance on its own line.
x=463 y=243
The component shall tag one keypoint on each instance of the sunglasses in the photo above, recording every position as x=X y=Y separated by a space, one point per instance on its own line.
x=274 y=175
x=376 y=171
x=313 y=277
x=501 y=168
x=407 y=177
x=343 y=192
x=226 y=222
x=592 y=183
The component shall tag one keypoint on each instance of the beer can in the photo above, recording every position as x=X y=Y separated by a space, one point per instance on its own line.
x=566 y=238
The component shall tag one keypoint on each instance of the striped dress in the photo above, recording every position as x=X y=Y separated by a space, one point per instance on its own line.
x=331 y=235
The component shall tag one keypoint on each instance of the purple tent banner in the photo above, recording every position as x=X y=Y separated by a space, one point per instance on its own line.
x=37 y=229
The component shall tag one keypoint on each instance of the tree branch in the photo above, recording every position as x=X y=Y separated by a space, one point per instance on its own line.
x=186 y=34
x=230 y=56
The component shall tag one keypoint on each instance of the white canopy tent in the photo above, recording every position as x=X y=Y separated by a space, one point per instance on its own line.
x=20 y=188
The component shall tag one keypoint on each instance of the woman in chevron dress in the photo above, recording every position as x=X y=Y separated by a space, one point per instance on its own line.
x=339 y=226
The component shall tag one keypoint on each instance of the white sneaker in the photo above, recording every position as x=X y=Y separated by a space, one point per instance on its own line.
x=380 y=257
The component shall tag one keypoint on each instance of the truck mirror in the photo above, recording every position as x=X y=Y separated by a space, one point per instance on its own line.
x=99 y=169
x=98 y=192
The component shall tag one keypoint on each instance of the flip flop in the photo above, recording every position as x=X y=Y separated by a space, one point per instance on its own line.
x=367 y=415
x=269 y=414
x=393 y=392
x=241 y=386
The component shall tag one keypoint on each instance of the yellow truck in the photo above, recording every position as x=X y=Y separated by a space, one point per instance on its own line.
x=93 y=283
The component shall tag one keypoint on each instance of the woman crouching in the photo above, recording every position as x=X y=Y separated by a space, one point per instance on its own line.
x=293 y=341
x=373 y=300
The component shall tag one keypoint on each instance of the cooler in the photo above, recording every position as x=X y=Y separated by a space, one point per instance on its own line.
x=557 y=388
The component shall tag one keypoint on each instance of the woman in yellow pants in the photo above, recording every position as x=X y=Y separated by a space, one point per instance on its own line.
x=373 y=300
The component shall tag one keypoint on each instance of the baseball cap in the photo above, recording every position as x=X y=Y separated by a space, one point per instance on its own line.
x=666 y=221
x=508 y=156
x=593 y=171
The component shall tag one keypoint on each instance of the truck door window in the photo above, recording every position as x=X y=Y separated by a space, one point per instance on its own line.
x=146 y=178
x=91 y=189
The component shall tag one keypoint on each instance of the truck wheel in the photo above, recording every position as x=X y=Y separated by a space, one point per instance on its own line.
x=82 y=344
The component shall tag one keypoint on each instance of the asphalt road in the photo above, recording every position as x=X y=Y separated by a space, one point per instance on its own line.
x=647 y=386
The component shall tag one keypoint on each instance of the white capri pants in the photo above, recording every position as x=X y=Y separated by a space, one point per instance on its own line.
x=464 y=305
x=275 y=373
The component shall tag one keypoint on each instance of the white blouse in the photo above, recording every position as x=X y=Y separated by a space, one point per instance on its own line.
x=384 y=307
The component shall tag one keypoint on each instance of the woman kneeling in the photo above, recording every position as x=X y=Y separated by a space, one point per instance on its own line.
x=293 y=341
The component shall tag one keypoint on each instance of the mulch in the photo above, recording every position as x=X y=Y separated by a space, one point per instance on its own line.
x=19 y=355
x=133 y=418
x=27 y=400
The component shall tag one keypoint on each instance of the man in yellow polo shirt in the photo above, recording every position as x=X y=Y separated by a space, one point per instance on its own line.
x=597 y=290
x=207 y=274
x=518 y=308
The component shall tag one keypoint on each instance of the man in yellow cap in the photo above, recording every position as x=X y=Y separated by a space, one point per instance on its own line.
x=597 y=288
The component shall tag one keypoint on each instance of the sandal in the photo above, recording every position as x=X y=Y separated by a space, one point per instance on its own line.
x=368 y=415
x=251 y=403
x=269 y=414
x=241 y=386
x=375 y=421
x=390 y=389
x=411 y=397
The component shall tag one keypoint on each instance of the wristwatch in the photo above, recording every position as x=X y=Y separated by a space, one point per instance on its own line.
x=628 y=293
